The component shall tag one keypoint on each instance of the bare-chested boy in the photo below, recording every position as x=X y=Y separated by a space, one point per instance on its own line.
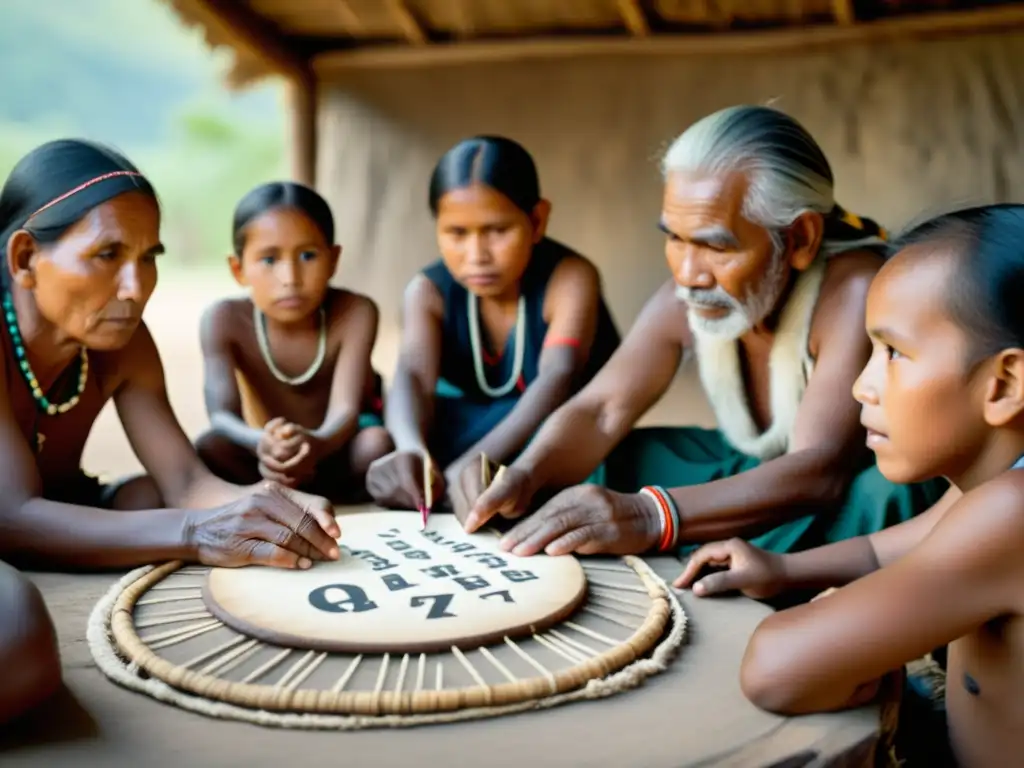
x=290 y=389
x=941 y=396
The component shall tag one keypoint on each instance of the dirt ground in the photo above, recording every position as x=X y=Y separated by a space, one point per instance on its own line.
x=173 y=317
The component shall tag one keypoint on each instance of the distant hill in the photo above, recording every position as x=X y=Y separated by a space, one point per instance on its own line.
x=120 y=71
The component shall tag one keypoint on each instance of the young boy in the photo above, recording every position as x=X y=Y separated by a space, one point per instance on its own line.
x=942 y=395
x=289 y=386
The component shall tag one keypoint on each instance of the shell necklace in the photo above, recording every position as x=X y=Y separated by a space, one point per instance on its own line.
x=261 y=337
x=43 y=404
x=474 y=340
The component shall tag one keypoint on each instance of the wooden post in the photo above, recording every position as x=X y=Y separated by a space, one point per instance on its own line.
x=633 y=16
x=844 y=12
x=411 y=28
x=303 y=95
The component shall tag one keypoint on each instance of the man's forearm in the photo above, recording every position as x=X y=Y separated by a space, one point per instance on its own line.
x=235 y=429
x=43 y=533
x=780 y=490
x=570 y=446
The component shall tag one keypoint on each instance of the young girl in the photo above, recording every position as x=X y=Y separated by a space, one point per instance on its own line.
x=942 y=395
x=295 y=355
x=496 y=334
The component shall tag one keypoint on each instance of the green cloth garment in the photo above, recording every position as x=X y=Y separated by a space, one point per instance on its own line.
x=678 y=456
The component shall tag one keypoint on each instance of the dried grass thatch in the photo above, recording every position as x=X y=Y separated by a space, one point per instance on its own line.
x=283 y=36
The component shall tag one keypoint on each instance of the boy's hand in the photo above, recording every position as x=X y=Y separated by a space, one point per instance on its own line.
x=754 y=572
x=287 y=453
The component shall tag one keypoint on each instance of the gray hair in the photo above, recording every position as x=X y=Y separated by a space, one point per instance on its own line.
x=789 y=174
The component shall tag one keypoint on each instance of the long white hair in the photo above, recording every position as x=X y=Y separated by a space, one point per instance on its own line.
x=788 y=173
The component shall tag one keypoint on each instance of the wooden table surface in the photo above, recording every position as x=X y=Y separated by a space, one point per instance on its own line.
x=694 y=714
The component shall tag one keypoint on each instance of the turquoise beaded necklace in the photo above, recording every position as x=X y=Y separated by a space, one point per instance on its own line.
x=43 y=403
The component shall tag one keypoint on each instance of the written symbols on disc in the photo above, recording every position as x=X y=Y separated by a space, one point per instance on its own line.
x=397 y=588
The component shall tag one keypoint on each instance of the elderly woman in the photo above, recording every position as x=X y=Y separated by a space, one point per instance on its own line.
x=80 y=228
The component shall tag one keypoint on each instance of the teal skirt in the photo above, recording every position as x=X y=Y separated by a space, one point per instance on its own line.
x=680 y=456
x=460 y=421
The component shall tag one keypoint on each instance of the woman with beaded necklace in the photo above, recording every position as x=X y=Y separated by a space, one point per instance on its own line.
x=80 y=230
x=497 y=333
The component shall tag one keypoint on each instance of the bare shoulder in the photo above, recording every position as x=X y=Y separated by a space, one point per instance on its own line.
x=139 y=359
x=575 y=267
x=984 y=532
x=847 y=279
x=422 y=297
x=351 y=316
x=995 y=506
x=574 y=278
x=345 y=306
x=572 y=265
x=664 y=315
x=220 y=321
x=842 y=300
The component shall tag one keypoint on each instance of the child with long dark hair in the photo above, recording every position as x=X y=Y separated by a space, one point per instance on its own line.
x=497 y=333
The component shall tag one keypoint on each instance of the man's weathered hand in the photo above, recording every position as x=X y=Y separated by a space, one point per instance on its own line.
x=754 y=572
x=589 y=520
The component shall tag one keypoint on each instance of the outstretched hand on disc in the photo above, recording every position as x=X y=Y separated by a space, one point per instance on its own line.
x=588 y=520
x=274 y=526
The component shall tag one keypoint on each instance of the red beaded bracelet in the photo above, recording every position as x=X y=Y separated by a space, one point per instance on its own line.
x=669 y=516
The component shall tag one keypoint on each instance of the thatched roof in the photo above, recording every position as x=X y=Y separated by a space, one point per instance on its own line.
x=293 y=37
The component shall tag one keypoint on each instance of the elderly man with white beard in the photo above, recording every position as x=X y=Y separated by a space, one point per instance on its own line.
x=768 y=289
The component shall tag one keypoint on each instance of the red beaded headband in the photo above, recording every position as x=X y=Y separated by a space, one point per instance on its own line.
x=80 y=187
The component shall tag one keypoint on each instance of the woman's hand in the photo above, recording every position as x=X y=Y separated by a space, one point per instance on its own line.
x=273 y=526
x=396 y=481
x=508 y=496
x=590 y=520
x=754 y=572
x=464 y=485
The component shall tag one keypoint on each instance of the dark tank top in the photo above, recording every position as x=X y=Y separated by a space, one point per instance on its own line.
x=456 y=367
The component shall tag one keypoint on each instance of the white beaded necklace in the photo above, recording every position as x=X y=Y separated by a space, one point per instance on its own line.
x=474 y=340
x=261 y=337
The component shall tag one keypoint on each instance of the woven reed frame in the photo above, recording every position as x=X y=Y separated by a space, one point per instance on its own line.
x=126 y=660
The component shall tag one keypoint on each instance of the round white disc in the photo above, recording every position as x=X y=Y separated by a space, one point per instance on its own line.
x=400 y=589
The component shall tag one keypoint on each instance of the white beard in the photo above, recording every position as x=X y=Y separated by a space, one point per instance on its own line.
x=740 y=316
